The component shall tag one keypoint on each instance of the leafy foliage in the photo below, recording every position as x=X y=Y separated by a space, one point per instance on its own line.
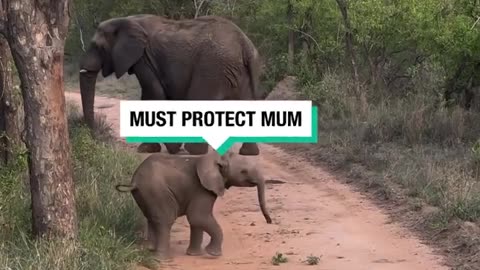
x=392 y=38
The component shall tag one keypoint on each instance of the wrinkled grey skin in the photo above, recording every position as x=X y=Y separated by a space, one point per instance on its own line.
x=166 y=188
x=208 y=58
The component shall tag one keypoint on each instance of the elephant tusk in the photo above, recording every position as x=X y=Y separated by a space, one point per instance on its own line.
x=83 y=70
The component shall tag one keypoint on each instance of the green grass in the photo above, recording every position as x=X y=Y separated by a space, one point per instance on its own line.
x=279 y=258
x=108 y=220
x=312 y=260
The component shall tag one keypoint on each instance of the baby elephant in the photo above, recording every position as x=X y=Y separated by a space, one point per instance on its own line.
x=166 y=188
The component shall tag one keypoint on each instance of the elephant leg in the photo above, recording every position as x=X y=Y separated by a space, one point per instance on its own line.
x=149 y=148
x=173 y=148
x=212 y=227
x=151 y=90
x=150 y=236
x=196 y=238
x=161 y=239
x=249 y=149
x=208 y=224
x=199 y=215
x=196 y=148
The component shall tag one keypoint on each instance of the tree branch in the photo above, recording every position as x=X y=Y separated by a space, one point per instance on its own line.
x=474 y=24
x=307 y=35
x=198 y=6
x=78 y=24
x=80 y=32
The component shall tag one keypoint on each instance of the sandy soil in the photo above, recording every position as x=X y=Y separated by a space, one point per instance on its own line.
x=313 y=213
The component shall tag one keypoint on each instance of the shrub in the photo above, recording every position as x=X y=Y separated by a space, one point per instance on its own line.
x=330 y=94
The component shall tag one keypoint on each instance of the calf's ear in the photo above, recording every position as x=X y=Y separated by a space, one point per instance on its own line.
x=209 y=169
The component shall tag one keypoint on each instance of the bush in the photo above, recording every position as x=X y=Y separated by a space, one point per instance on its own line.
x=275 y=70
x=107 y=219
x=330 y=94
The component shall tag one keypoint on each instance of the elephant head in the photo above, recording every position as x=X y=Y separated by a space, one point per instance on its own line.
x=116 y=46
x=218 y=173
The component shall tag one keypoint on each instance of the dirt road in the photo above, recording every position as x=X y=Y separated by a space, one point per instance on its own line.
x=313 y=215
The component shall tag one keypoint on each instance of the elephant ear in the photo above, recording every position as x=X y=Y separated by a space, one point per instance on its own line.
x=209 y=169
x=107 y=67
x=129 y=47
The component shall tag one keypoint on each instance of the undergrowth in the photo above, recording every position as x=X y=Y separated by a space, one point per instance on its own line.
x=414 y=140
x=107 y=219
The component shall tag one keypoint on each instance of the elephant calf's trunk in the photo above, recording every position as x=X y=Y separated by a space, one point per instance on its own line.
x=261 y=201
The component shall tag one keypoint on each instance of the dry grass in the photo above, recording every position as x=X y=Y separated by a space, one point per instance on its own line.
x=411 y=141
x=413 y=155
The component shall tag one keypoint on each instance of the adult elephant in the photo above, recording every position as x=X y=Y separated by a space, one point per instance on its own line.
x=207 y=58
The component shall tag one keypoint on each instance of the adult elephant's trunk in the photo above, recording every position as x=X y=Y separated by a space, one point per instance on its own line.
x=88 y=80
x=261 y=200
x=90 y=64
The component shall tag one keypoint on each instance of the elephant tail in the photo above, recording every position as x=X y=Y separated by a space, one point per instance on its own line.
x=253 y=65
x=125 y=188
x=254 y=72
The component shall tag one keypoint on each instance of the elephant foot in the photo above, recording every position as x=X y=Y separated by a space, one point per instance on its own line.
x=149 y=148
x=249 y=149
x=173 y=148
x=162 y=256
x=149 y=245
x=213 y=251
x=196 y=148
x=194 y=251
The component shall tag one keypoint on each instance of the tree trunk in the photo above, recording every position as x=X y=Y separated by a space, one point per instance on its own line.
x=11 y=108
x=37 y=45
x=350 y=50
x=3 y=134
x=291 y=38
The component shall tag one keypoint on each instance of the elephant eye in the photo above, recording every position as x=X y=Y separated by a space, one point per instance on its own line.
x=221 y=166
x=244 y=171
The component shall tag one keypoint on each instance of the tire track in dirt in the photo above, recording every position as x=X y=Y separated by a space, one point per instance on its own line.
x=313 y=213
